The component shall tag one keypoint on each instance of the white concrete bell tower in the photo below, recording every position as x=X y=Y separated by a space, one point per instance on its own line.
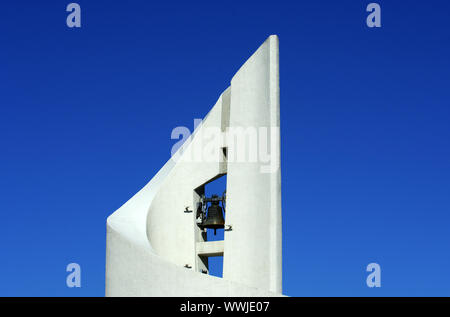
x=155 y=246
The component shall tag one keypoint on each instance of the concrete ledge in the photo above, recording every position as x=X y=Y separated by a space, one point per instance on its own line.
x=211 y=248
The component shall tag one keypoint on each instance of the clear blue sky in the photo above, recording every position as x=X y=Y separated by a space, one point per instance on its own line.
x=86 y=117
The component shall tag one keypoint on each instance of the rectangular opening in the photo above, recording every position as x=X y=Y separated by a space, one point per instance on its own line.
x=214 y=256
x=216 y=266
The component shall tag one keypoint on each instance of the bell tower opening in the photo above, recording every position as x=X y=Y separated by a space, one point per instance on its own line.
x=211 y=212
x=216 y=262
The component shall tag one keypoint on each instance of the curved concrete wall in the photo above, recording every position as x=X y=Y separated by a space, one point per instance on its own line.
x=172 y=231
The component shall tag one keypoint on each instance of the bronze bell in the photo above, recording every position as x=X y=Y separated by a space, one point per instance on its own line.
x=214 y=218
